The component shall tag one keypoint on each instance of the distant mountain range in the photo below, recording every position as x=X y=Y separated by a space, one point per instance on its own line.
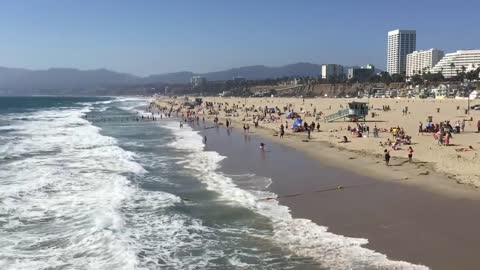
x=71 y=81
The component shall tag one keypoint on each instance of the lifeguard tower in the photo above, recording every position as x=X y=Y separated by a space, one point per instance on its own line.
x=356 y=111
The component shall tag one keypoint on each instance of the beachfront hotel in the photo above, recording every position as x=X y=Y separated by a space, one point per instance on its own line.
x=361 y=74
x=422 y=61
x=452 y=63
x=332 y=71
x=400 y=43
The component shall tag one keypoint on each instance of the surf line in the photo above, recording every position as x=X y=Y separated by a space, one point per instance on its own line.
x=321 y=190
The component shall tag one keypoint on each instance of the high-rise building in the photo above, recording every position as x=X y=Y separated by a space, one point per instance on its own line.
x=361 y=74
x=454 y=63
x=400 y=43
x=422 y=61
x=332 y=71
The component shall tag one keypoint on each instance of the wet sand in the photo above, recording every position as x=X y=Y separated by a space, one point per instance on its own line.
x=402 y=221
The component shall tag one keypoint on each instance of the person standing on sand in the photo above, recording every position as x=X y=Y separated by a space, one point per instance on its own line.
x=387 y=156
x=478 y=126
x=410 y=153
x=282 y=131
x=308 y=132
x=420 y=128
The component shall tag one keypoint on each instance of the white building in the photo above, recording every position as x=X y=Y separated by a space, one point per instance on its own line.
x=400 y=43
x=198 y=80
x=332 y=71
x=452 y=63
x=422 y=61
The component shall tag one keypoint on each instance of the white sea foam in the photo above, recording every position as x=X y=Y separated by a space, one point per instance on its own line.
x=64 y=195
x=300 y=236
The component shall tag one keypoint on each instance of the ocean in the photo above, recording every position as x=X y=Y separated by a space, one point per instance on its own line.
x=83 y=185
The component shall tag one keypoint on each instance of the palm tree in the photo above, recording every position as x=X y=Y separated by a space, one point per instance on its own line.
x=463 y=72
x=452 y=66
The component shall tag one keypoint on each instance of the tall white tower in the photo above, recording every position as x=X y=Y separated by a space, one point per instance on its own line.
x=400 y=43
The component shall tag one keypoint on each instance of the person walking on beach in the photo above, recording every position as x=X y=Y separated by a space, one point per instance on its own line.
x=420 y=128
x=308 y=132
x=387 y=156
x=410 y=153
x=205 y=139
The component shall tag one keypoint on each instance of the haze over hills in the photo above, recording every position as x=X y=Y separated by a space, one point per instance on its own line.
x=70 y=81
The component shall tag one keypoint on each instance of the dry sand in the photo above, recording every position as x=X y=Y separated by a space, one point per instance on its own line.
x=435 y=167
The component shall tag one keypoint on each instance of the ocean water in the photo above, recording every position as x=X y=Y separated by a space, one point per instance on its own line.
x=85 y=186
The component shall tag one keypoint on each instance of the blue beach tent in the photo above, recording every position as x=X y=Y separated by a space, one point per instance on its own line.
x=298 y=123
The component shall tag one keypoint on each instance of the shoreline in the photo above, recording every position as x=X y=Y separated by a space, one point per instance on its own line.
x=420 y=174
x=401 y=221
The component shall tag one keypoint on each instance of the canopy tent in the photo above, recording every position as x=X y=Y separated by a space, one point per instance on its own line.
x=298 y=123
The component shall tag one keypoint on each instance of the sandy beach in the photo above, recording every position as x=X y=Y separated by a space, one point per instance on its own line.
x=423 y=212
x=435 y=167
x=404 y=222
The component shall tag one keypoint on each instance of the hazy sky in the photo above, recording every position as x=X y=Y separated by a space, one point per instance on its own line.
x=148 y=37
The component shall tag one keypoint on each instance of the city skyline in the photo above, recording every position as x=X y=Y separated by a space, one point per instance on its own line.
x=145 y=37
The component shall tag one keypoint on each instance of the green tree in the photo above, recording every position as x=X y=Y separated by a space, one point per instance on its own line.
x=374 y=78
x=398 y=78
x=416 y=79
x=385 y=78
x=473 y=74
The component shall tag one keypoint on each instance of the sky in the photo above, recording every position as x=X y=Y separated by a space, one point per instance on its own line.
x=153 y=37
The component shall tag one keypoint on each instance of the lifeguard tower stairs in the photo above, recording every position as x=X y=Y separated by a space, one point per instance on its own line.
x=356 y=111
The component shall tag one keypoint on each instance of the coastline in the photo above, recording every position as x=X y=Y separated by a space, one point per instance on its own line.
x=404 y=222
x=421 y=174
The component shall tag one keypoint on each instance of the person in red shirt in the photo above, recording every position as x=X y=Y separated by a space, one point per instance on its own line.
x=410 y=153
